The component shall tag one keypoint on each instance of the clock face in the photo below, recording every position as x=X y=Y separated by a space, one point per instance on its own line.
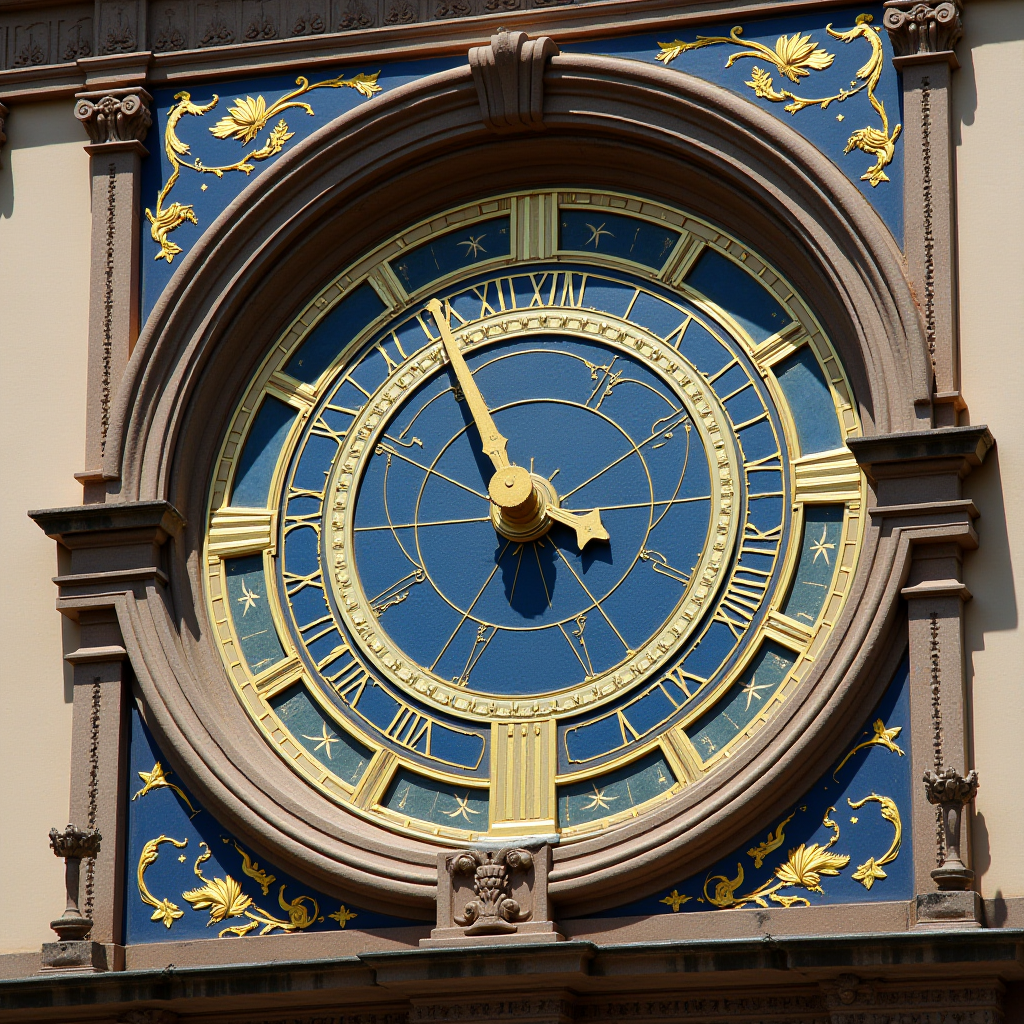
x=533 y=517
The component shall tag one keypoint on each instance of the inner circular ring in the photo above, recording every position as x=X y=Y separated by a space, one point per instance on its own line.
x=598 y=599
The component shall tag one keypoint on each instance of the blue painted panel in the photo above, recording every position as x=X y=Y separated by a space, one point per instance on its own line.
x=259 y=456
x=810 y=402
x=739 y=293
x=819 y=556
x=169 y=810
x=831 y=128
x=617 y=791
x=249 y=603
x=209 y=195
x=319 y=736
x=879 y=767
x=352 y=315
x=614 y=234
x=439 y=802
x=453 y=251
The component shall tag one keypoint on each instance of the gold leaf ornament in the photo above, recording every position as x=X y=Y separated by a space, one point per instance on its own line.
x=223 y=897
x=342 y=915
x=795 y=54
x=806 y=865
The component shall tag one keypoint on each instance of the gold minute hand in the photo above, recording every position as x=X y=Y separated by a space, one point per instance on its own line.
x=494 y=444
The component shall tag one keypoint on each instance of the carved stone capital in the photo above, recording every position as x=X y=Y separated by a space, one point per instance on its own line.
x=509 y=78
x=75 y=842
x=920 y=28
x=952 y=792
x=114 y=115
x=493 y=911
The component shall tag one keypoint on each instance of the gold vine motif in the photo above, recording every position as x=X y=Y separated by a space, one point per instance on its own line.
x=165 y=911
x=224 y=898
x=871 y=869
x=243 y=122
x=882 y=738
x=795 y=57
x=157 y=779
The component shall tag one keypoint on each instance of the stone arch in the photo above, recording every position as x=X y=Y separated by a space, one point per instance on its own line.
x=609 y=123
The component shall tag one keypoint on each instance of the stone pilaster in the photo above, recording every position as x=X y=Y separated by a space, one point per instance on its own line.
x=920 y=505
x=113 y=551
x=923 y=36
x=117 y=121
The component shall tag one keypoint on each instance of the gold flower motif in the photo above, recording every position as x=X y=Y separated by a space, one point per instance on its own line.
x=795 y=54
x=342 y=915
x=868 y=872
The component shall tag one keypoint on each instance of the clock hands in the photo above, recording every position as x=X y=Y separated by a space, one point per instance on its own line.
x=523 y=505
x=495 y=445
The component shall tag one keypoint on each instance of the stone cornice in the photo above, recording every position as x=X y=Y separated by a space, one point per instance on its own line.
x=919 y=451
x=372 y=981
x=48 y=62
x=82 y=525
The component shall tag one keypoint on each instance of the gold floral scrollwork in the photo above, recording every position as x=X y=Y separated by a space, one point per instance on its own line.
x=165 y=910
x=773 y=842
x=157 y=779
x=882 y=737
x=795 y=57
x=223 y=897
x=243 y=122
x=253 y=870
x=871 y=869
x=803 y=868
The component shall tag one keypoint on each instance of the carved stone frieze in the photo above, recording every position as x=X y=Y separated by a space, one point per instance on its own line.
x=509 y=79
x=916 y=28
x=114 y=115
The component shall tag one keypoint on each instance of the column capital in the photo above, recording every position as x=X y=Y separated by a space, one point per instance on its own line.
x=917 y=27
x=115 y=116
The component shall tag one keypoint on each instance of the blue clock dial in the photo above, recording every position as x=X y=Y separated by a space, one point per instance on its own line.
x=504 y=616
x=506 y=541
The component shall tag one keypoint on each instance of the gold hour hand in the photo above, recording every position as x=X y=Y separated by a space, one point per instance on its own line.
x=588 y=525
x=494 y=444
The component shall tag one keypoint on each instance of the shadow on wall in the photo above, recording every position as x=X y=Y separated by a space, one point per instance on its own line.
x=985 y=21
x=27 y=126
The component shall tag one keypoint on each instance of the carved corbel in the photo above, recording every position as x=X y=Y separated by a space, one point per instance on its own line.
x=493 y=895
x=922 y=37
x=509 y=79
x=116 y=121
x=112 y=551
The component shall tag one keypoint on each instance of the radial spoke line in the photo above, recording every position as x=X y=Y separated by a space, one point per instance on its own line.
x=597 y=603
x=648 y=504
x=636 y=451
x=409 y=526
x=427 y=469
x=465 y=614
x=515 y=579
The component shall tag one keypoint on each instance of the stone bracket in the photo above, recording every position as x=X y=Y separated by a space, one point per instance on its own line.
x=509 y=79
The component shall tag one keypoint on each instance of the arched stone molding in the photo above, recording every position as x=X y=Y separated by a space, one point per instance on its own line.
x=610 y=124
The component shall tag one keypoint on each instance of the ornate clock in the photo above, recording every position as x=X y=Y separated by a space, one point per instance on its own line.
x=533 y=516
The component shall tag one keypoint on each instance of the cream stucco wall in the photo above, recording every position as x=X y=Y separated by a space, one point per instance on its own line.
x=989 y=113
x=44 y=268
